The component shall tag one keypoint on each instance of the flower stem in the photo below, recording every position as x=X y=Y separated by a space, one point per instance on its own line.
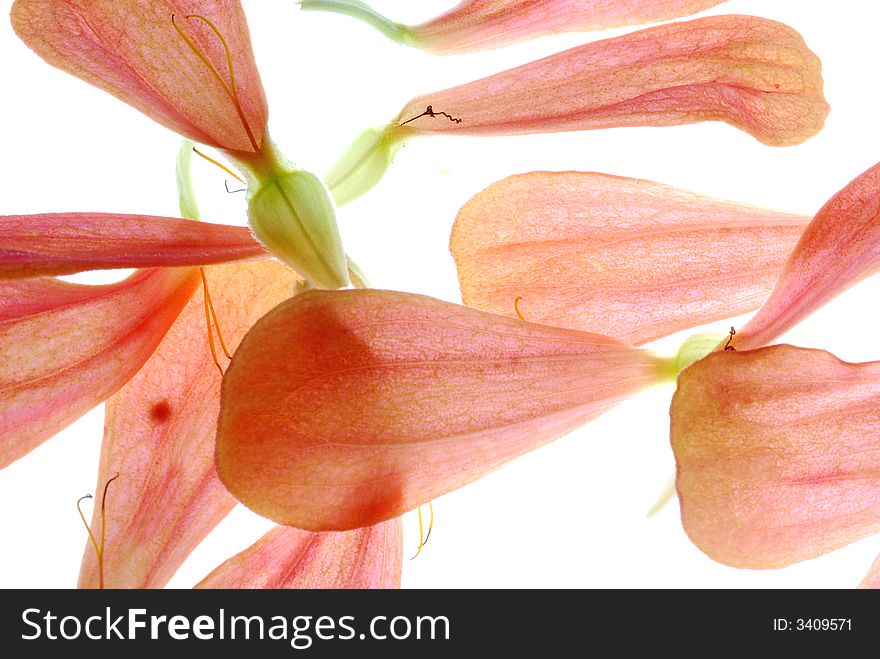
x=189 y=207
x=356 y=9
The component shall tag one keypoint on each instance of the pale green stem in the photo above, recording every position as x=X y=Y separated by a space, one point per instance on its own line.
x=356 y=9
x=189 y=207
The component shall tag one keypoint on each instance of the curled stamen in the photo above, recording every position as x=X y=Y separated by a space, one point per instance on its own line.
x=98 y=546
x=221 y=166
x=727 y=345
x=230 y=89
x=429 y=112
x=516 y=307
x=228 y=191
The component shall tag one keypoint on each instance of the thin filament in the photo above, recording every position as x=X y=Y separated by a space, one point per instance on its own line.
x=221 y=166
x=516 y=307
x=211 y=314
x=98 y=546
x=92 y=538
x=214 y=316
x=230 y=90
x=430 y=521
x=423 y=539
x=103 y=528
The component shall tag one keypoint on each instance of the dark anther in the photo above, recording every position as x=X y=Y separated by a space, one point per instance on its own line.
x=429 y=112
x=727 y=345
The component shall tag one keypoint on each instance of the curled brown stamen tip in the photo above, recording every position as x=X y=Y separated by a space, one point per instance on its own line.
x=429 y=112
x=727 y=346
x=106 y=487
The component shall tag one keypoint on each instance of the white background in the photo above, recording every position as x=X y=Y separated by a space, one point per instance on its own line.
x=570 y=514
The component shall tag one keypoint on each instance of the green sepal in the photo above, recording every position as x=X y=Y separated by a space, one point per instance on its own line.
x=364 y=164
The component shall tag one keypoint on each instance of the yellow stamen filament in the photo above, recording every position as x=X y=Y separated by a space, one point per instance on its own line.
x=516 y=307
x=221 y=166
x=423 y=539
x=211 y=314
x=98 y=546
x=230 y=89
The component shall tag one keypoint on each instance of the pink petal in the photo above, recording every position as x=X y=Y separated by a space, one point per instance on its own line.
x=839 y=248
x=628 y=258
x=752 y=73
x=872 y=579
x=290 y=558
x=344 y=409
x=131 y=49
x=159 y=437
x=482 y=24
x=64 y=348
x=65 y=243
x=778 y=454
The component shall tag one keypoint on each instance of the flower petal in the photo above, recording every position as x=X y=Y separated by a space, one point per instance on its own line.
x=624 y=257
x=290 y=558
x=159 y=437
x=65 y=243
x=777 y=453
x=839 y=248
x=872 y=579
x=752 y=73
x=344 y=409
x=64 y=348
x=482 y=24
x=131 y=49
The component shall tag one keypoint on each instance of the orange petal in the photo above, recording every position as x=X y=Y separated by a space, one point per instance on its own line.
x=344 y=409
x=65 y=243
x=482 y=24
x=628 y=258
x=777 y=453
x=839 y=248
x=159 y=437
x=64 y=348
x=131 y=49
x=752 y=73
x=872 y=579
x=290 y=558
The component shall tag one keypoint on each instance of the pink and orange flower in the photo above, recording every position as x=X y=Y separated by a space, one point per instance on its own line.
x=342 y=410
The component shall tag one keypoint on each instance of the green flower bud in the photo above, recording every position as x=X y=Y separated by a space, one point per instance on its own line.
x=292 y=215
x=694 y=349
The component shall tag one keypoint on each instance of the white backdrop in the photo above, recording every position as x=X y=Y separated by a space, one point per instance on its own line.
x=570 y=514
